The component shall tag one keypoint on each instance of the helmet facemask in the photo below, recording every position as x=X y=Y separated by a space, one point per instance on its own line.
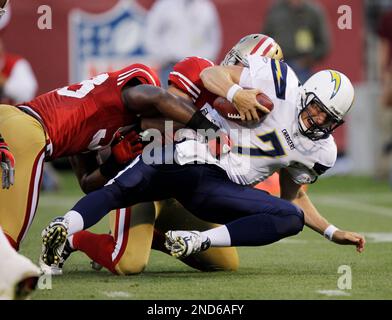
x=316 y=131
x=233 y=57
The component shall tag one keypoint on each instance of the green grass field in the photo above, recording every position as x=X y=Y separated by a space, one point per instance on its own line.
x=300 y=267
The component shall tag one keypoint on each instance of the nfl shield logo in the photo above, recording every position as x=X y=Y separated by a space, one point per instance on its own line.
x=105 y=42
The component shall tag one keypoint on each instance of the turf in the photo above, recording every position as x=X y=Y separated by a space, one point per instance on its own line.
x=295 y=268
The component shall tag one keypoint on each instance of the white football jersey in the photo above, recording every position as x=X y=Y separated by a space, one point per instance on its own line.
x=276 y=142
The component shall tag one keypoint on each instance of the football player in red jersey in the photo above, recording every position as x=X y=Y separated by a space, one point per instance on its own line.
x=68 y=121
x=127 y=250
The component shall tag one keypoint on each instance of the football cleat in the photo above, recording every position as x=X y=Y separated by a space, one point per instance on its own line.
x=19 y=277
x=182 y=244
x=54 y=238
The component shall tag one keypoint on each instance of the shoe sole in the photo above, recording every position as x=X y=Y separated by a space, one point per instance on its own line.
x=54 y=238
x=170 y=242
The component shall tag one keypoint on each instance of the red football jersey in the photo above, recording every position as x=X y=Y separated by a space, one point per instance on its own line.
x=84 y=116
x=186 y=77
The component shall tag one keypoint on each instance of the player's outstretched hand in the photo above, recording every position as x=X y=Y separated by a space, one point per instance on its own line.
x=246 y=103
x=7 y=163
x=351 y=238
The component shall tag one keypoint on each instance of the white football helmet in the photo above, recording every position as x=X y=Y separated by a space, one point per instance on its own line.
x=259 y=44
x=333 y=92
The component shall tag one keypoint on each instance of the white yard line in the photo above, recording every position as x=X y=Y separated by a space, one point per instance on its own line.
x=337 y=201
x=378 y=237
x=333 y=293
x=116 y=294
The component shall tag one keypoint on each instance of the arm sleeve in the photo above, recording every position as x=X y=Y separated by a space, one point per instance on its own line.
x=326 y=159
x=302 y=175
x=138 y=71
x=22 y=85
x=186 y=75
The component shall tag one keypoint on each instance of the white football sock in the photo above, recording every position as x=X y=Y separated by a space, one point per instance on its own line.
x=75 y=222
x=220 y=236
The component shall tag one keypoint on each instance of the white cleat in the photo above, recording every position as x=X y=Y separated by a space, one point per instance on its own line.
x=54 y=238
x=182 y=244
x=18 y=277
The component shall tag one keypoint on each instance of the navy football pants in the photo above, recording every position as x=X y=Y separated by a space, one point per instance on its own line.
x=252 y=216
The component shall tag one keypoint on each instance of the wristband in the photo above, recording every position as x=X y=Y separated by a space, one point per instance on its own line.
x=328 y=233
x=232 y=91
x=199 y=121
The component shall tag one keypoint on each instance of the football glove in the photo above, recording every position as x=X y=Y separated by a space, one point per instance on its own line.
x=127 y=147
x=7 y=162
x=220 y=144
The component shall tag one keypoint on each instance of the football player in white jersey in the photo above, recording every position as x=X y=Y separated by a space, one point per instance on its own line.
x=294 y=138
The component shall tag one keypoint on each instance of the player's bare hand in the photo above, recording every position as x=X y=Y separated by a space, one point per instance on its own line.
x=247 y=105
x=350 y=238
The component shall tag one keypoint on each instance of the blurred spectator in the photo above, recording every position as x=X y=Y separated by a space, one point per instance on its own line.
x=384 y=32
x=17 y=80
x=300 y=28
x=17 y=85
x=180 y=28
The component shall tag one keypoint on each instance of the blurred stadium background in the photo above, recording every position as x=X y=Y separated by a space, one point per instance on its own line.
x=87 y=37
